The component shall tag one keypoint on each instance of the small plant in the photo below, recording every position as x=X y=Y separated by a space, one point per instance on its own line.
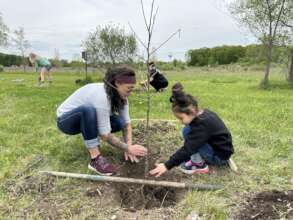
x=1 y=68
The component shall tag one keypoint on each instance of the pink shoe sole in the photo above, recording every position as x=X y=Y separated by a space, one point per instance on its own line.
x=197 y=171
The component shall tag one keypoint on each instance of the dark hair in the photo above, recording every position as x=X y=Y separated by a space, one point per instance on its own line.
x=151 y=63
x=111 y=75
x=182 y=101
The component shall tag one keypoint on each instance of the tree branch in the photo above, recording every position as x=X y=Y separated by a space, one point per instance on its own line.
x=278 y=19
x=152 y=26
x=145 y=21
x=137 y=36
x=270 y=20
x=172 y=35
x=286 y=25
x=151 y=16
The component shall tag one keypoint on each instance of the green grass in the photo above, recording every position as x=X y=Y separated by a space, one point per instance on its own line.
x=261 y=123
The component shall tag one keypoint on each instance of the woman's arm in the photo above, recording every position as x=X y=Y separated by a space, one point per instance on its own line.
x=114 y=141
x=135 y=150
x=127 y=134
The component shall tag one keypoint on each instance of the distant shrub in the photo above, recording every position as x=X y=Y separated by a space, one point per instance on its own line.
x=84 y=81
x=1 y=68
x=94 y=77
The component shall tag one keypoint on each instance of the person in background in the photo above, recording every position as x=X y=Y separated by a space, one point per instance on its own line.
x=157 y=80
x=43 y=65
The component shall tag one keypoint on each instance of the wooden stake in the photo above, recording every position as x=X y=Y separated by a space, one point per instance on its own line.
x=134 y=181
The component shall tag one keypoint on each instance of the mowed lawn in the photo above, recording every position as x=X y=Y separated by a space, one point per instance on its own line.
x=261 y=122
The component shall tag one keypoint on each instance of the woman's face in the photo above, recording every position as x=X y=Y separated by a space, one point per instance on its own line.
x=124 y=89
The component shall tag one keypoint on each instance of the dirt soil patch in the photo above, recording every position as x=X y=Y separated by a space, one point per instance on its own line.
x=52 y=199
x=136 y=197
x=268 y=205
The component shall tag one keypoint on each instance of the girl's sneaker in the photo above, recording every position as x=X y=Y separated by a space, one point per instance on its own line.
x=192 y=168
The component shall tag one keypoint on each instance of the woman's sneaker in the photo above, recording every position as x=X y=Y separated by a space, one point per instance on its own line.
x=192 y=168
x=101 y=166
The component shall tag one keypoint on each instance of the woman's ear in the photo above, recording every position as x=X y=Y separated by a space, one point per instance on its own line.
x=117 y=84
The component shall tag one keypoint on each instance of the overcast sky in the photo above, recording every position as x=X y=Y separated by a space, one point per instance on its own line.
x=64 y=24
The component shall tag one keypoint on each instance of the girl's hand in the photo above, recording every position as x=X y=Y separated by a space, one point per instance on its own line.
x=159 y=170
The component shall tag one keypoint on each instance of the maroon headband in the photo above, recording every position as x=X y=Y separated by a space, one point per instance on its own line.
x=125 y=79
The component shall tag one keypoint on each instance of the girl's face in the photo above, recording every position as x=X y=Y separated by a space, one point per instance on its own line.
x=152 y=67
x=185 y=118
x=124 y=89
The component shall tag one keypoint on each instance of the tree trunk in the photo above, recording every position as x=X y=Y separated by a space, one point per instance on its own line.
x=290 y=71
x=265 y=80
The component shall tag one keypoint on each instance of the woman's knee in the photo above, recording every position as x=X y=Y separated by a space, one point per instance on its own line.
x=89 y=111
x=117 y=123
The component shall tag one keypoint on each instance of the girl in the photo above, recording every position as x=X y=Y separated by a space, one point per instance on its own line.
x=97 y=110
x=42 y=64
x=206 y=138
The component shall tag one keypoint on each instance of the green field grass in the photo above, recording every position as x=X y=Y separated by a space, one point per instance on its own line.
x=261 y=123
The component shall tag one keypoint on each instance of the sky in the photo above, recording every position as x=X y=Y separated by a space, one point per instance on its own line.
x=62 y=25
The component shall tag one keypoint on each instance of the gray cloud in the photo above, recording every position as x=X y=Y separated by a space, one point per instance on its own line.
x=65 y=24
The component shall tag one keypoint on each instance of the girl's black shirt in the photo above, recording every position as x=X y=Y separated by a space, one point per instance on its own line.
x=207 y=128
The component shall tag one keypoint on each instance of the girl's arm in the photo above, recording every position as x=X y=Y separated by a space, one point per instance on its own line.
x=197 y=137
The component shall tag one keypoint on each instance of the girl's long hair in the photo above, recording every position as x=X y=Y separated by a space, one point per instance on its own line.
x=117 y=102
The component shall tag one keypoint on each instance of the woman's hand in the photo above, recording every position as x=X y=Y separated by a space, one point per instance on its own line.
x=159 y=170
x=137 y=150
x=130 y=157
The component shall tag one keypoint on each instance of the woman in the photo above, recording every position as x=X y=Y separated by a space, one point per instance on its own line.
x=99 y=109
x=43 y=65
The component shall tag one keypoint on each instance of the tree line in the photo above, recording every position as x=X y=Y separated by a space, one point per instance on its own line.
x=270 y=21
x=250 y=54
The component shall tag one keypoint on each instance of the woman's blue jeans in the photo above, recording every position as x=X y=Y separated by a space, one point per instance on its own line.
x=206 y=151
x=83 y=119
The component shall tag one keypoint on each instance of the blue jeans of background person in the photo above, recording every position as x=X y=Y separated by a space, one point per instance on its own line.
x=83 y=119
x=206 y=151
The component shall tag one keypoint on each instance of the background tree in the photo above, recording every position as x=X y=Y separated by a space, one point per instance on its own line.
x=289 y=40
x=3 y=32
x=265 y=19
x=56 y=62
x=21 y=44
x=290 y=65
x=110 y=44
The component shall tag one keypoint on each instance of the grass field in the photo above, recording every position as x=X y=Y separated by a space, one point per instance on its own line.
x=261 y=123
